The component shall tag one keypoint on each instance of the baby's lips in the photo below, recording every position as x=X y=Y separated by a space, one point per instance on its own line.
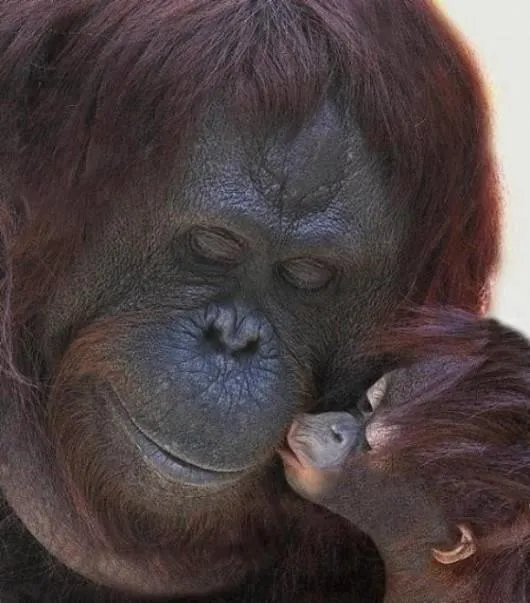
x=287 y=452
x=288 y=457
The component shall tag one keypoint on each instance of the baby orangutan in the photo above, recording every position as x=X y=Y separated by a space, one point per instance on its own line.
x=395 y=510
x=426 y=477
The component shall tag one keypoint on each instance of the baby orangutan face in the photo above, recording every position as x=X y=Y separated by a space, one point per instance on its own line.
x=317 y=446
x=328 y=461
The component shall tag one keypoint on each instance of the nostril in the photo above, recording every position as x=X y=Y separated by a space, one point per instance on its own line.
x=211 y=333
x=214 y=338
x=248 y=348
x=345 y=432
x=242 y=342
x=337 y=434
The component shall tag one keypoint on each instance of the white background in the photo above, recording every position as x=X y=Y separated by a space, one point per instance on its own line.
x=500 y=34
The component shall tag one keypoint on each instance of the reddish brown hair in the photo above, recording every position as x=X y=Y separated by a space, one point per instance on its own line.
x=465 y=431
x=99 y=99
x=98 y=94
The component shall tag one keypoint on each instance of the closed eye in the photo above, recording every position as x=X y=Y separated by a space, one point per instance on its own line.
x=306 y=274
x=216 y=245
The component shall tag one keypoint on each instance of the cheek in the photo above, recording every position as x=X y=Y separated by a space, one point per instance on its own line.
x=379 y=435
x=305 y=479
x=307 y=482
x=207 y=406
x=183 y=397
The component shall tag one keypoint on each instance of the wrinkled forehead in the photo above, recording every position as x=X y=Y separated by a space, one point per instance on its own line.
x=322 y=167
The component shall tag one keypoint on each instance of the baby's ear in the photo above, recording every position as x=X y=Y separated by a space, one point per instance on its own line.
x=463 y=550
x=376 y=393
x=391 y=389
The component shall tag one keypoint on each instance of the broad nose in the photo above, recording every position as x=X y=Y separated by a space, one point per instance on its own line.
x=231 y=330
x=326 y=439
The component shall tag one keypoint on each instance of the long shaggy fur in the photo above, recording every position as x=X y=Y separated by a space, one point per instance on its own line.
x=99 y=94
x=100 y=100
x=465 y=433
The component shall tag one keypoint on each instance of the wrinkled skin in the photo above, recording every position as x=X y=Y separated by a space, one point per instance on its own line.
x=176 y=366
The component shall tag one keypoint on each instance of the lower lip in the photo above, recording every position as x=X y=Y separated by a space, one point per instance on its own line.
x=289 y=458
x=178 y=469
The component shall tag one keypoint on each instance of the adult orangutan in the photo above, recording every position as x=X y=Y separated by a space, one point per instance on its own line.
x=205 y=208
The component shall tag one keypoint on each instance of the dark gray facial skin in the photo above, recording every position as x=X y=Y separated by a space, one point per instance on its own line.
x=192 y=329
x=271 y=249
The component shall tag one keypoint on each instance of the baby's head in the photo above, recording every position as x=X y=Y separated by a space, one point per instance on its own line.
x=317 y=445
x=328 y=456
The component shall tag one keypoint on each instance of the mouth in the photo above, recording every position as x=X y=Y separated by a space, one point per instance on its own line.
x=289 y=458
x=292 y=455
x=175 y=468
